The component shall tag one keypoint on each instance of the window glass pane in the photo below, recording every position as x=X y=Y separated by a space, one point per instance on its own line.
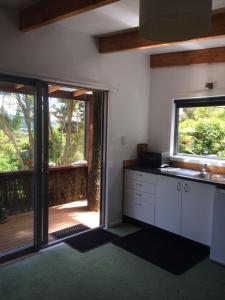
x=16 y=166
x=66 y=131
x=16 y=130
x=201 y=131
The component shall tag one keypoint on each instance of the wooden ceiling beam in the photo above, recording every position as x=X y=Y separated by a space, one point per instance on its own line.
x=19 y=86
x=204 y=56
x=28 y=90
x=130 y=40
x=53 y=88
x=50 y=11
x=16 y=88
x=78 y=93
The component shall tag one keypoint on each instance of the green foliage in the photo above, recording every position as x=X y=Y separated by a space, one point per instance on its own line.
x=66 y=133
x=8 y=160
x=202 y=131
x=67 y=120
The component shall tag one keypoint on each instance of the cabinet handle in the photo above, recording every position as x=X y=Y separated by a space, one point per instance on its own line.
x=140 y=195
x=186 y=188
x=140 y=175
x=139 y=204
x=138 y=184
x=179 y=186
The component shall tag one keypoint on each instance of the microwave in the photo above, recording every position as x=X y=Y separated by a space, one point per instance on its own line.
x=155 y=159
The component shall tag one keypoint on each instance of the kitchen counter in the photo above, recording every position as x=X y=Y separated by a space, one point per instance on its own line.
x=209 y=178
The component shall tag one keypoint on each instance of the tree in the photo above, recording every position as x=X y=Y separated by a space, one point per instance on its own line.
x=27 y=108
x=8 y=125
x=66 y=131
x=202 y=131
x=94 y=175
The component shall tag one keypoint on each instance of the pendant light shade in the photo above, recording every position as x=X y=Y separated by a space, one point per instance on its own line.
x=174 y=20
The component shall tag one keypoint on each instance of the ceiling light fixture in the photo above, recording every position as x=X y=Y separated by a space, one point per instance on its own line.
x=174 y=20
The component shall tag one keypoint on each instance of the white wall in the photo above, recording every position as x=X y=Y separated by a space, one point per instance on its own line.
x=56 y=52
x=178 y=82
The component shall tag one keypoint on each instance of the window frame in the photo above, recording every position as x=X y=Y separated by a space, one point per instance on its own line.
x=193 y=102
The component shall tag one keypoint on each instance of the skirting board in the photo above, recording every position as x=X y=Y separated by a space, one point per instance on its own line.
x=217 y=261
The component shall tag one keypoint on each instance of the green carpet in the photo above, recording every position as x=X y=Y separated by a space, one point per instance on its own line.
x=108 y=272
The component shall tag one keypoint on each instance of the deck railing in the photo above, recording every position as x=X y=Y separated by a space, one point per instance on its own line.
x=66 y=184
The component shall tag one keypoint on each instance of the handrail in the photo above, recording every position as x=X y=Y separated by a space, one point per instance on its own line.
x=58 y=168
x=66 y=184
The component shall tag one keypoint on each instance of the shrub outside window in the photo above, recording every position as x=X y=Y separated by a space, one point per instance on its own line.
x=200 y=127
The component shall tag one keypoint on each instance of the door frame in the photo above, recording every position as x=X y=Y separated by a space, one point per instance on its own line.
x=37 y=223
x=104 y=141
x=40 y=182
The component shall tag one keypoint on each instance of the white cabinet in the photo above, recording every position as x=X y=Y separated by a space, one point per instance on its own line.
x=140 y=176
x=168 y=203
x=185 y=207
x=217 y=251
x=139 y=196
x=196 y=211
x=136 y=207
x=180 y=206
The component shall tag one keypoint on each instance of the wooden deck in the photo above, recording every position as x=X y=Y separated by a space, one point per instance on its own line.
x=17 y=232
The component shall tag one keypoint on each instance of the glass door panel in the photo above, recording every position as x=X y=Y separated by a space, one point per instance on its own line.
x=16 y=166
x=72 y=131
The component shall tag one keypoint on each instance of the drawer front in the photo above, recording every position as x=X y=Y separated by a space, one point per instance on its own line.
x=140 y=185
x=138 y=210
x=140 y=176
x=131 y=195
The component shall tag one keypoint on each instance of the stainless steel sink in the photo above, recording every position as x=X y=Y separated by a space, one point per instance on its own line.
x=180 y=171
x=196 y=174
x=211 y=176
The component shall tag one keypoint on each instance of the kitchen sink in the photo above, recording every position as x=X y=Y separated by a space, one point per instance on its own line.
x=195 y=173
x=180 y=171
x=211 y=176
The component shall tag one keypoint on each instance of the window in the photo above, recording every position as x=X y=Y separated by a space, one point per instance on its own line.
x=200 y=127
x=66 y=131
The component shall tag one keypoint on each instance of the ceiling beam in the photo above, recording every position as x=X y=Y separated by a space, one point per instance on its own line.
x=184 y=58
x=49 y=11
x=28 y=90
x=130 y=40
x=19 y=86
x=78 y=93
x=53 y=88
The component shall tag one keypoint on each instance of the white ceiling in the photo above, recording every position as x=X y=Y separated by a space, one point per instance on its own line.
x=119 y=16
x=124 y=15
x=113 y=17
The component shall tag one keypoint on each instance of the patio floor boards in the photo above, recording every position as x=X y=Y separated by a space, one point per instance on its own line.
x=17 y=232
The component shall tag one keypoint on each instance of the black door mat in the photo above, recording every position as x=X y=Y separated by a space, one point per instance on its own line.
x=164 y=249
x=60 y=234
x=91 y=239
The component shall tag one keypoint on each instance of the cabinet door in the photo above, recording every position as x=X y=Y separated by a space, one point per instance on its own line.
x=139 y=205
x=168 y=203
x=217 y=251
x=196 y=211
x=140 y=176
x=140 y=186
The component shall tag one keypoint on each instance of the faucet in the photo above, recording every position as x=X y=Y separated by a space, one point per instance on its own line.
x=203 y=168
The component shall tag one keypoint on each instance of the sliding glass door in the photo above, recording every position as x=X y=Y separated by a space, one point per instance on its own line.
x=17 y=163
x=52 y=162
x=75 y=139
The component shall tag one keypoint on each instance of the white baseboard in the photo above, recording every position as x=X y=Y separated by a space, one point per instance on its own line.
x=217 y=260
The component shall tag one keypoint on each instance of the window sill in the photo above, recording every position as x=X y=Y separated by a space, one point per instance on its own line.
x=198 y=160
